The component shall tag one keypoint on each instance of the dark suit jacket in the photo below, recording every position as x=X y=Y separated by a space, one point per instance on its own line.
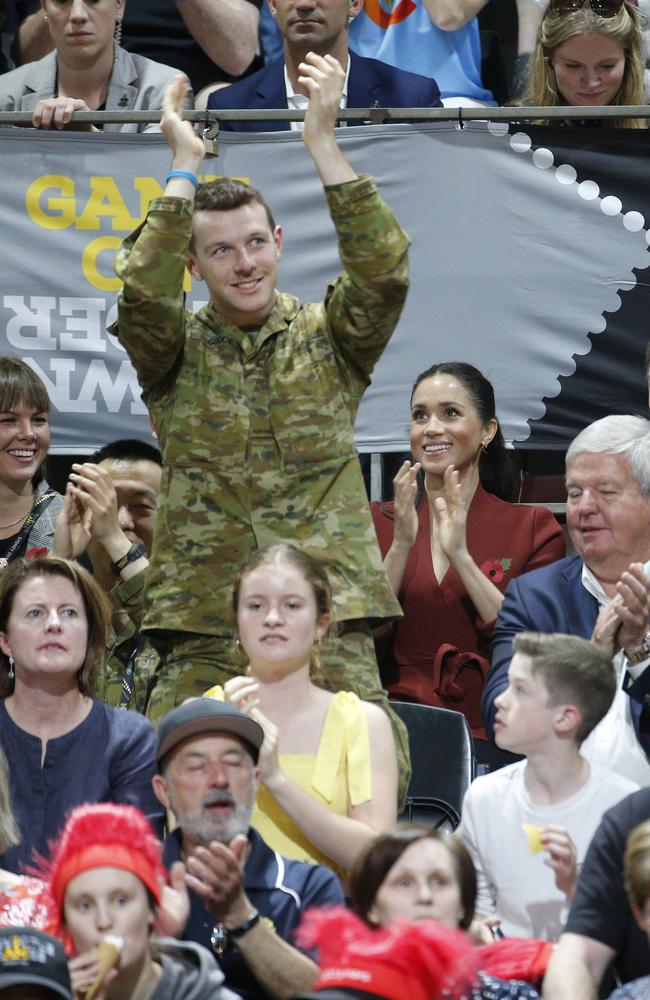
x=370 y=84
x=551 y=599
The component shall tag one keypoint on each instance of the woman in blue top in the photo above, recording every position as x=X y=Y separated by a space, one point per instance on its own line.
x=63 y=747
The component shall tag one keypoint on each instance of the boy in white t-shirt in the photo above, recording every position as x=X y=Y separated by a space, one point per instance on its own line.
x=528 y=826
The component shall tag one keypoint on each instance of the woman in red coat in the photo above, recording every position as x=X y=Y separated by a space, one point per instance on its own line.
x=452 y=541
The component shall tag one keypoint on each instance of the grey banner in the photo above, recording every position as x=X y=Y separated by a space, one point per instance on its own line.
x=515 y=261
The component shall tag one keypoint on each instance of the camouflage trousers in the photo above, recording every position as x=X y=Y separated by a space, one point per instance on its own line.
x=191 y=663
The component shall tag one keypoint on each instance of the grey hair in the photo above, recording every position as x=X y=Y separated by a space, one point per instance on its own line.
x=623 y=435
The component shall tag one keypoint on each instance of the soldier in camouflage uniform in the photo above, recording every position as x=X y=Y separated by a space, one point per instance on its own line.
x=254 y=400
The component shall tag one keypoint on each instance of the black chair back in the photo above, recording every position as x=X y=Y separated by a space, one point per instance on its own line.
x=443 y=763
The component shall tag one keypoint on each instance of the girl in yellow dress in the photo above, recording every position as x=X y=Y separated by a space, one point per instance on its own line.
x=328 y=772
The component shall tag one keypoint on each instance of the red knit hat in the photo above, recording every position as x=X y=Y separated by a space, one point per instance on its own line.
x=406 y=960
x=516 y=958
x=105 y=836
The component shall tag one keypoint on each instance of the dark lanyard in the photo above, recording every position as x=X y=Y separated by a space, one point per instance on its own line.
x=127 y=677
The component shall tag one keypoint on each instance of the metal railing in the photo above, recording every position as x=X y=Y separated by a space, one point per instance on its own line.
x=377 y=116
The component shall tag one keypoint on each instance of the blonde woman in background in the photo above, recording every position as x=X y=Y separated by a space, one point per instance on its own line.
x=588 y=55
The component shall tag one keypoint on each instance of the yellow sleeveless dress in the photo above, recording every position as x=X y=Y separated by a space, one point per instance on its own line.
x=339 y=776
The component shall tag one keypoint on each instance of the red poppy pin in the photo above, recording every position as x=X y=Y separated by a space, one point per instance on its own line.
x=495 y=569
x=35 y=553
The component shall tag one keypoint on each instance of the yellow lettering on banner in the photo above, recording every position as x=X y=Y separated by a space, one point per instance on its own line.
x=105 y=201
x=91 y=271
x=58 y=211
x=149 y=188
x=51 y=202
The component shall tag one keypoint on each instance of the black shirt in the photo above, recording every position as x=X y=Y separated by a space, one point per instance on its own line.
x=600 y=909
x=155 y=29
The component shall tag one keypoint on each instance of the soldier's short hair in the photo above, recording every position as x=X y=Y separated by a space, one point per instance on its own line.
x=574 y=671
x=226 y=194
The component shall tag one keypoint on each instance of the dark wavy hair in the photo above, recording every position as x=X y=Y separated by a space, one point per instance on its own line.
x=496 y=469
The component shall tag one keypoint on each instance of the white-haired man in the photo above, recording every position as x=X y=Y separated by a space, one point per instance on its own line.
x=602 y=592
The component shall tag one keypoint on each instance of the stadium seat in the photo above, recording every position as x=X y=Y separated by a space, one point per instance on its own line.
x=442 y=757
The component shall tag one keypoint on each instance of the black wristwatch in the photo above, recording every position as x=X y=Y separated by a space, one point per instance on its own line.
x=136 y=551
x=221 y=935
x=241 y=929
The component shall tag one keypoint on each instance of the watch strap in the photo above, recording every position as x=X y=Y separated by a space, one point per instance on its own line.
x=241 y=929
x=641 y=654
x=136 y=551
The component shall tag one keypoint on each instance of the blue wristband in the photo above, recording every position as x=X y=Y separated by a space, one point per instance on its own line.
x=183 y=173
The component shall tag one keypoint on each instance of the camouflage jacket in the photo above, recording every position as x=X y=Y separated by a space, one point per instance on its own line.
x=127 y=598
x=256 y=427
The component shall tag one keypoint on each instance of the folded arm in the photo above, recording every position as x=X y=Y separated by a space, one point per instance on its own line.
x=226 y=30
x=576 y=968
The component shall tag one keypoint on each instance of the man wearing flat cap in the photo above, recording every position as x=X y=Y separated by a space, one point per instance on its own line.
x=245 y=899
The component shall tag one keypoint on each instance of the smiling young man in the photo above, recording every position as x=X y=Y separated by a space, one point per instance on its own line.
x=245 y=899
x=254 y=399
x=602 y=592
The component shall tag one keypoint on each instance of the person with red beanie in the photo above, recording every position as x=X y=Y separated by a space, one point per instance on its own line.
x=413 y=891
x=106 y=879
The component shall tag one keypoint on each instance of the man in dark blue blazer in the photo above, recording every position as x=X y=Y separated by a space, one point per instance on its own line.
x=320 y=26
x=603 y=591
x=550 y=599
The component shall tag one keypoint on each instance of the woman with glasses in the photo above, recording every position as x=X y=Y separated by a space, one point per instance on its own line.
x=589 y=53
